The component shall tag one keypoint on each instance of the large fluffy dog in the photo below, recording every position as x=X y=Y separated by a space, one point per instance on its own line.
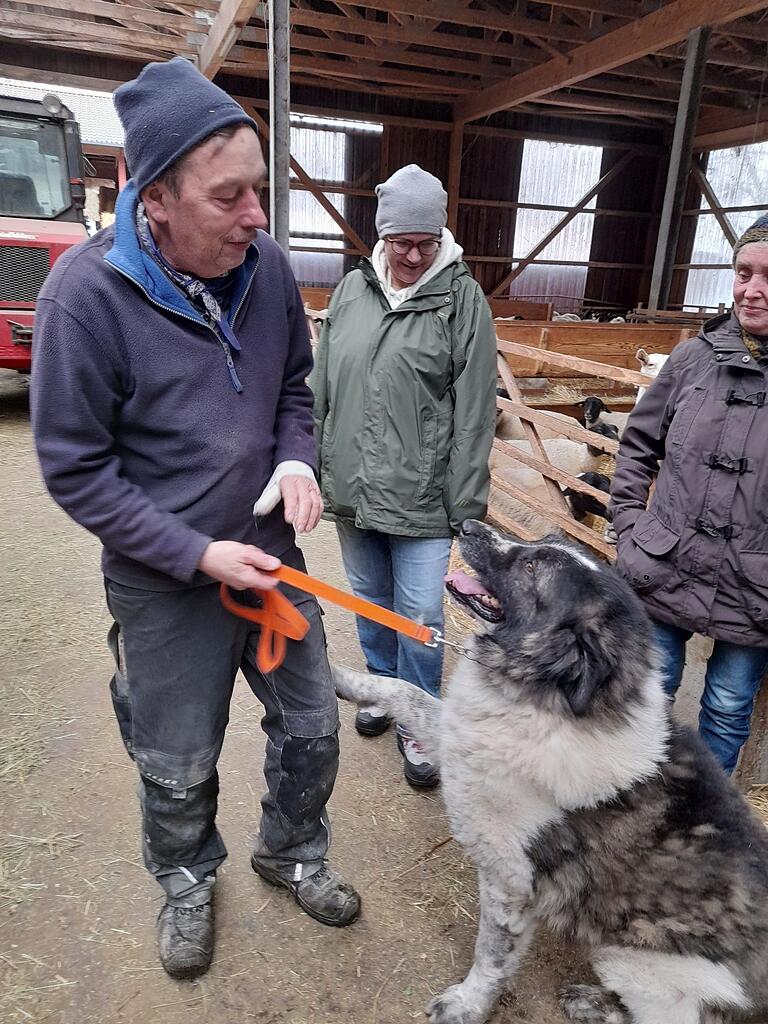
x=581 y=805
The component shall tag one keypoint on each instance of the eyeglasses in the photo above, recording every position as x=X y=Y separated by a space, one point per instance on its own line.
x=402 y=246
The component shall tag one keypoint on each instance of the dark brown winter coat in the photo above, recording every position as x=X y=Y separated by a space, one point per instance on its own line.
x=697 y=552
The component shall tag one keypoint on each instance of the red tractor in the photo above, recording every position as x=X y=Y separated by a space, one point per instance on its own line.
x=42 y=195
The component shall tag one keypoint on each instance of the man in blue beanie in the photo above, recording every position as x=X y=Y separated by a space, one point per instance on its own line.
x=168 y=391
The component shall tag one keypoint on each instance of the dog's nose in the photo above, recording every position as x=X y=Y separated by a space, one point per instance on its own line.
x=468 y=527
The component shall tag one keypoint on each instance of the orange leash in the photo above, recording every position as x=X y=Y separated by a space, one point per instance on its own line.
x=279 y=619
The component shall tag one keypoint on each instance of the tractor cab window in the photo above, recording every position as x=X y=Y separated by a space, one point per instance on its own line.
x=34 y=180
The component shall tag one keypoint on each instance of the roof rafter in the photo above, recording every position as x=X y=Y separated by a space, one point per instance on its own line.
x=664 y=27
x=232 y=17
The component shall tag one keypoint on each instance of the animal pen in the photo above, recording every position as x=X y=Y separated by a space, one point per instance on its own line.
x=599 y=157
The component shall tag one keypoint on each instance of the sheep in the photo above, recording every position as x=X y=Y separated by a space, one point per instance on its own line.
x=510 y=428
x=596 y=411
x=583 y=505
x=572 y=456
x=650 y=365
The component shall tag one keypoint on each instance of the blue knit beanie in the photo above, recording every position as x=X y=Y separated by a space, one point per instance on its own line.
x=168 y=110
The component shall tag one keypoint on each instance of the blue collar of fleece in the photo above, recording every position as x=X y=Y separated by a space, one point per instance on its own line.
x=127 y=257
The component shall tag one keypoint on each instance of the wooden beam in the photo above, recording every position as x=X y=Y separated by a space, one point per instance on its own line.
x=606 y=104
x=407 y=34
x=617 y=168
x=662 y=28
x=356 y=70
x=456 y=13
x=454 y=176
x=470 y=129
x=650 y=70
x=741 y=128
x=529 y=429
x=385 y=52
x=505 y=523
x=563 y=520
x=755 y=31
x=588 y=367
x=122 y=13
x=573 y=431
x=548 y=469
x=232 y=17
x=47 y=26
x=709 y=194
x=48 y=77
x=316 y=191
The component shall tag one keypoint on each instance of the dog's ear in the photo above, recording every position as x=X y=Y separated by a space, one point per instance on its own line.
x=574 y=663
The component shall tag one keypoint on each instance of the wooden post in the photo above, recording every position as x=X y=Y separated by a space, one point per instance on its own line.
x=280 y=123
x=679 y=167
x=554 y=492
x=709 y=194
x=454 y=175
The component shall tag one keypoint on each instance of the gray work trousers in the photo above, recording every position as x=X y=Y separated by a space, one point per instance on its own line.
x=176 y=655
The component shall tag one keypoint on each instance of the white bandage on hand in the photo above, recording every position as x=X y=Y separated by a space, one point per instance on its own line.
x=270 y=496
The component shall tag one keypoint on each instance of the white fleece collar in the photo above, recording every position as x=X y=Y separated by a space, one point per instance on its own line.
x=449 y=252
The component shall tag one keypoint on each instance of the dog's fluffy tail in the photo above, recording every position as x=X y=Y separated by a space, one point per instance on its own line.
x=412 y=708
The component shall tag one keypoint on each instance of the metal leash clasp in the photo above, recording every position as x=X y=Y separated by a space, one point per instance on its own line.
x=438 y=638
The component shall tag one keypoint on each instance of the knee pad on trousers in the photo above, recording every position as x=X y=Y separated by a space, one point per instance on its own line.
x=177 y=824
x=308 y=767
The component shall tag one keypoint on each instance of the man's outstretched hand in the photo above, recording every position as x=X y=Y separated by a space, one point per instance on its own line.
x=239 y=565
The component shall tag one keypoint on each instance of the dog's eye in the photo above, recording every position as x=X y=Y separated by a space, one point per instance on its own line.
x=529 y=568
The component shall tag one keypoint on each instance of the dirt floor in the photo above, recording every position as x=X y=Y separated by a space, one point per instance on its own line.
x=77 y=908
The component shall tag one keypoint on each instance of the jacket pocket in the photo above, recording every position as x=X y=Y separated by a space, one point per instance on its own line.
x=428 y=456
x=647 y=562
x=753 y=577
x=683 y=419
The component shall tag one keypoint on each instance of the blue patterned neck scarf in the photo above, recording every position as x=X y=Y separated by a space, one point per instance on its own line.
x=200 y=293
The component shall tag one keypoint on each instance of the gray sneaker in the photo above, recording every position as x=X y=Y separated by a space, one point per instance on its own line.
x=324 y=895
x=185 y=939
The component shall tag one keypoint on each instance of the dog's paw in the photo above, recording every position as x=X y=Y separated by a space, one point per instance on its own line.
x=591 y=1004
x=451 y=1007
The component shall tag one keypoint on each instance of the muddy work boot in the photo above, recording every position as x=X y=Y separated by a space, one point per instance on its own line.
x=185 y=938
x=324 y=895
x=418 y=769
x=372 y=720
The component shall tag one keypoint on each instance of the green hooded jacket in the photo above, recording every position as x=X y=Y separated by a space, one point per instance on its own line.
x=405 y=404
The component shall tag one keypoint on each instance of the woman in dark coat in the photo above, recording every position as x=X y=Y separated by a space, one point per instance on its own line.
x=696 y=550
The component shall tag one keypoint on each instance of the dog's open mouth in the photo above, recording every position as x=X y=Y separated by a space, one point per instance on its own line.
x=470 y=592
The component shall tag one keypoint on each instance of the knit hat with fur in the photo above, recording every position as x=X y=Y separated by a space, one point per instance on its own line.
x=168 y=110
x=758 y=232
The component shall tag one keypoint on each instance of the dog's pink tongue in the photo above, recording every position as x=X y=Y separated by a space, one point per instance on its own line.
x=465 y=584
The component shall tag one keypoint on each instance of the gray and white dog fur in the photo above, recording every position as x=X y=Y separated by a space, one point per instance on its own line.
x=582 y=805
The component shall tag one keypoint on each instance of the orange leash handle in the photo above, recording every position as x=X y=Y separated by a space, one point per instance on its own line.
x=367 y=609
x=278 y=619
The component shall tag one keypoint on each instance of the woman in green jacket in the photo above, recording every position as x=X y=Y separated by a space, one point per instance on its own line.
x=404 y=386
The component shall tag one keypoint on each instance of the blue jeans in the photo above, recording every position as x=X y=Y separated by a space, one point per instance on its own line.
x=404 y=574
x=732 y=679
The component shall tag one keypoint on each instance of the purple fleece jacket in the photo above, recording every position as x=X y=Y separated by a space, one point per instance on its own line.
x=141 y=436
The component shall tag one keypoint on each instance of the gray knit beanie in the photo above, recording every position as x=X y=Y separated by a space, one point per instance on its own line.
x=167 y=111
x=757 y=232
x=411 y=200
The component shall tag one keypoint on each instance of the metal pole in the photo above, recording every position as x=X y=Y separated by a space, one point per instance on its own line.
x=679 y=166
x=279 y=121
